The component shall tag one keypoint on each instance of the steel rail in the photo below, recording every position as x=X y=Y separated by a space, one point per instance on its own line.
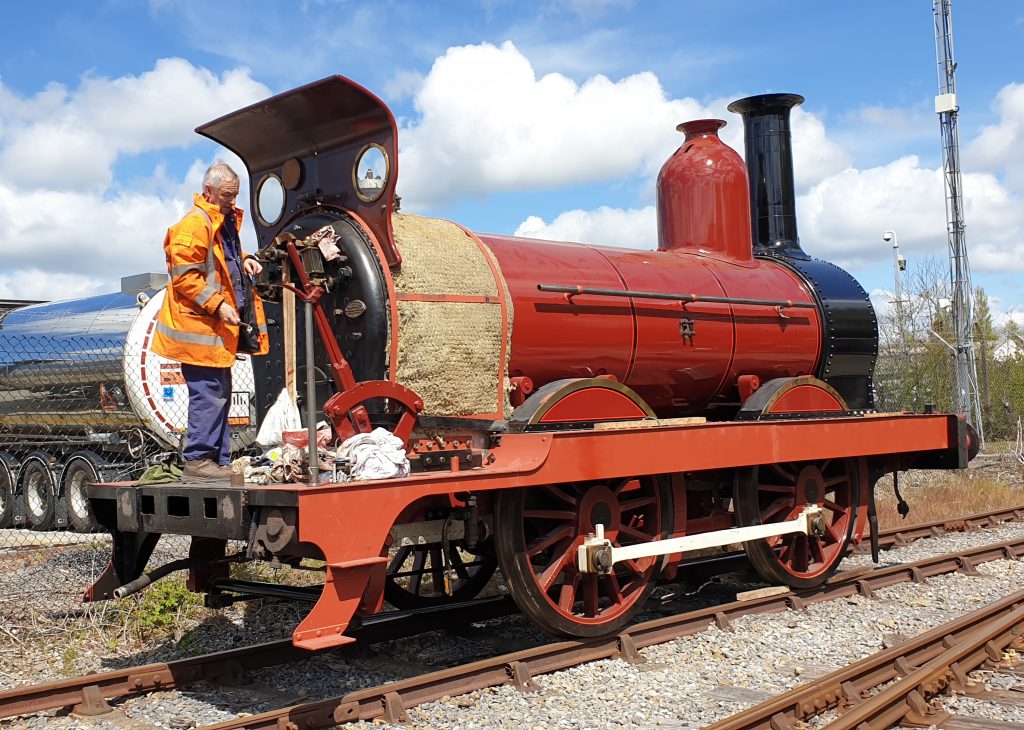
x=908 y=697
x=389 y=701
x=226 y=666
x=925 y=665
x=899 y=537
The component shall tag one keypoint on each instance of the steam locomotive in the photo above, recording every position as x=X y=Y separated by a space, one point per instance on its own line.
x=579 y=416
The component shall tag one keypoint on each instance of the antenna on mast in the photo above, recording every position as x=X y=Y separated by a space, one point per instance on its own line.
x=965 y=369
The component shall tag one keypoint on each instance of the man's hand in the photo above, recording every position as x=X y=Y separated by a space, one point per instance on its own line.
x=251 y=266
x=228 y=314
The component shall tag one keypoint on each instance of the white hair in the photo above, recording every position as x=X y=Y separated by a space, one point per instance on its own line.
x=219 y=173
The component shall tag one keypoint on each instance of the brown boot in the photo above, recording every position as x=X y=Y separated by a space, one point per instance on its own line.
x=205 y=469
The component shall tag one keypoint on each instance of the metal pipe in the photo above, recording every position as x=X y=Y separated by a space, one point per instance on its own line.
x=936 y=335
x=688 y=298
x=314 y=461
x=154 y=575
x=259 y=589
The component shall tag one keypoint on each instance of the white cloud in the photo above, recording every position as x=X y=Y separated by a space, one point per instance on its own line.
x=843 y=216
x=84 y=234
x=68 y=140
x=1000 y=147
x=634 y=228
x=33 y=284
x=882 y=302
x=815 y=156
x=488 y=123
x=843 y=210
x=60 y=211
x=403 y=85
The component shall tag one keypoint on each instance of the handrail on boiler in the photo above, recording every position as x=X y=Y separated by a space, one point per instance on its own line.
x=572 y=291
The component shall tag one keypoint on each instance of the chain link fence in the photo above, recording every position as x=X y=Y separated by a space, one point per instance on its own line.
x=916 y=361
x=84 y=399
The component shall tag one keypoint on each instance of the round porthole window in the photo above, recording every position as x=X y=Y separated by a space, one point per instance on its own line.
x=270 y=199
x=370 y=172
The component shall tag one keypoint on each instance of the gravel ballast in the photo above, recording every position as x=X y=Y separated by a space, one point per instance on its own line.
x=689 y=682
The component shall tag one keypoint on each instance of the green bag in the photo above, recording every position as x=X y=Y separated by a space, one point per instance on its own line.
x=168 y=471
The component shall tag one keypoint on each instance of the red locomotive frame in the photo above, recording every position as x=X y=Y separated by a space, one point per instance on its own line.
x=770 y=417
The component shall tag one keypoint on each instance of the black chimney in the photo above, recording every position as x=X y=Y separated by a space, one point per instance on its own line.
x=769 y=156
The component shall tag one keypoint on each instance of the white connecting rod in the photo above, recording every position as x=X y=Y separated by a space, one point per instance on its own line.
x=598 y=555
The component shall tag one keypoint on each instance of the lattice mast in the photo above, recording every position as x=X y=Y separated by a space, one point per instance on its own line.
x=966 y=374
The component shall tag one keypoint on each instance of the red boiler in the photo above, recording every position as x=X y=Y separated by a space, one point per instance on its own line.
x=682 y=357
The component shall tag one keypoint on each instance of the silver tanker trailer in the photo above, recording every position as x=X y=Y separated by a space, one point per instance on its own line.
x=83 y=398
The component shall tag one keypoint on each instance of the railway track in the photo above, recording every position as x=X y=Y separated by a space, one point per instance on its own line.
x=913 y=673
x=88 y=695
x=390 y=701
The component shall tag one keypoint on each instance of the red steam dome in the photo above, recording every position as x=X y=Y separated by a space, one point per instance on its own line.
x=703 y=197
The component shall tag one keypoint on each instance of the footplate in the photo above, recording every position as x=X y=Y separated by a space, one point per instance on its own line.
x=198 y=509
x=218 y=512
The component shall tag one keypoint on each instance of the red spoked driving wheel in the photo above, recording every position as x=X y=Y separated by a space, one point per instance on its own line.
x=777 y=492
x=538 y=531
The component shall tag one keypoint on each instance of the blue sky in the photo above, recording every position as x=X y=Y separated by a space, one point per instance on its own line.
x=547 y=118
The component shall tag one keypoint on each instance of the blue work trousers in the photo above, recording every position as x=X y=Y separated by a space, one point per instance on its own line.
x=209 y=398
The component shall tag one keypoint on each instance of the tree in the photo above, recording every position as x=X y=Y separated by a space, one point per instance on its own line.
x=914 y=367
x=984 y=337
x=1012 y=329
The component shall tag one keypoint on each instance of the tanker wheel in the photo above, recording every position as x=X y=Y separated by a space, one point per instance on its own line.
x=8 y=473
x=776 y=492
x=415 y=575
x=82 y=469
x=537 y=533
x=38 y=490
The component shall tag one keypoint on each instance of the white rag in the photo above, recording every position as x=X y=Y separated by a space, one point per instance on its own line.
x=375 y=455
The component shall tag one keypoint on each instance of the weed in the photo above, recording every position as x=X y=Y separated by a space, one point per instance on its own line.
x=165 y=604
x=69 y=655
x=940 y=495
x=158 y=610
x=266 y=572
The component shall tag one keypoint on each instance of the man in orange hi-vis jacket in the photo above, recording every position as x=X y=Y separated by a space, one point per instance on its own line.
x=198 y=324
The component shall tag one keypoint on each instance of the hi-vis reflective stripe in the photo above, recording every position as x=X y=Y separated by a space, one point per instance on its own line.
x=204 y=214
x=181 y=269
x=209 y=267
x=190 y=338
x=211 y=278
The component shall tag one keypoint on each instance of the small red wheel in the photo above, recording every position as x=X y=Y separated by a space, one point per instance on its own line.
x=538 y=531
x=777 y=492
